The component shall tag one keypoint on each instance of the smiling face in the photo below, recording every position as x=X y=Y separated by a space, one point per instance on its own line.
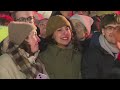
x=108 y=32
x=62 y=36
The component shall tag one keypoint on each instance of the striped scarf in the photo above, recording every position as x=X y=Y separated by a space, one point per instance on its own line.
x=23 y=64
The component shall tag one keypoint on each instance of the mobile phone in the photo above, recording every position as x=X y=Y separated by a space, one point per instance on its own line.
x=41 y=76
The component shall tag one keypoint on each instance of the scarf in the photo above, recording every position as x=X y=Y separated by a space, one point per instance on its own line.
x=109 y=48
x=19 y=56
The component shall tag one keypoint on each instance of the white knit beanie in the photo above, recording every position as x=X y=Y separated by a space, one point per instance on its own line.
x=46 y=14
x=85 y=20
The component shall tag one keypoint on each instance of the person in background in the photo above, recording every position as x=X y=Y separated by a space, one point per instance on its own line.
x=97 y=17
x=23 y=16
x=82 y=25
x=86 y=13
x=61 y=58
x=20 y=61
x=5 y=19
x=66 y=14
x=37 y=17
x=19 y=16
x=42 y=33
x=45 y=14
x=42 y=26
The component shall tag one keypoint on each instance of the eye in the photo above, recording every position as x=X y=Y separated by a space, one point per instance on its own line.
x=67 y=28
x=110 y=27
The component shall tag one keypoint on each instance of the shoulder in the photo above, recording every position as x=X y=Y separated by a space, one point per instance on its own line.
x=4 y=45
x=5 y=59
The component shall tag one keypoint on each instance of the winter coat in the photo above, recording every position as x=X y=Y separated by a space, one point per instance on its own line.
x=61 y=63
x=4 y=45
x=97 y=63
x=10 y=70
x=83 y=45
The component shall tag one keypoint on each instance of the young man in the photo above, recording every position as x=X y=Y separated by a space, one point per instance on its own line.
x=100 y=60
x=23 y=16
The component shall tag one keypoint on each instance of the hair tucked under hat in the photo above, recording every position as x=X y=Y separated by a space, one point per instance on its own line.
x=18 y=31
x=56 y=22
x=85 y=20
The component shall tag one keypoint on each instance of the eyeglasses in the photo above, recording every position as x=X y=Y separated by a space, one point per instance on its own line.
x=23 y=19
x=111 y=28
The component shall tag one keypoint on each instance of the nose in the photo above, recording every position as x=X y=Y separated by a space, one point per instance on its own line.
x=64 y=31
x=38 y=39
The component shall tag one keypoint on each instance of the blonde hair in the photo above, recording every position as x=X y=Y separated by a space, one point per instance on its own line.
x=77 y=23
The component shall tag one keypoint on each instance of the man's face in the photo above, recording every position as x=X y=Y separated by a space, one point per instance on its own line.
x=108 y=32
x=25 y=16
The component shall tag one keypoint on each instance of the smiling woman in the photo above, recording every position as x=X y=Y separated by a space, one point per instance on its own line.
x=61 y=58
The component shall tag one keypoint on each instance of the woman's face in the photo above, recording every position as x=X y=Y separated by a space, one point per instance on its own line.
x=80 y=31
x=62 y=36
x=33 y=41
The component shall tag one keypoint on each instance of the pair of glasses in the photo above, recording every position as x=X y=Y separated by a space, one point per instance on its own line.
x=111 y=28
x=23 y=19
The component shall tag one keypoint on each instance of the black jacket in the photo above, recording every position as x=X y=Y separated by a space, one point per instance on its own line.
x=83 y=45
x=98 y=63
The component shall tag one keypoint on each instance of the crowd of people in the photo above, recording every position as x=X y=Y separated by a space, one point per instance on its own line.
x=59 y=45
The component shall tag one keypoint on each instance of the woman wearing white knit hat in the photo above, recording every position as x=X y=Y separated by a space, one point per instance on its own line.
x=82 y=25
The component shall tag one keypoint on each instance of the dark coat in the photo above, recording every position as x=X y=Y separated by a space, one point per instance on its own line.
x=96 y=24
x=83 y=45
x=98 y=63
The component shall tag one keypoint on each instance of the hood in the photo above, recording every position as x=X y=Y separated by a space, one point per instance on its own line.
x=95 y=39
